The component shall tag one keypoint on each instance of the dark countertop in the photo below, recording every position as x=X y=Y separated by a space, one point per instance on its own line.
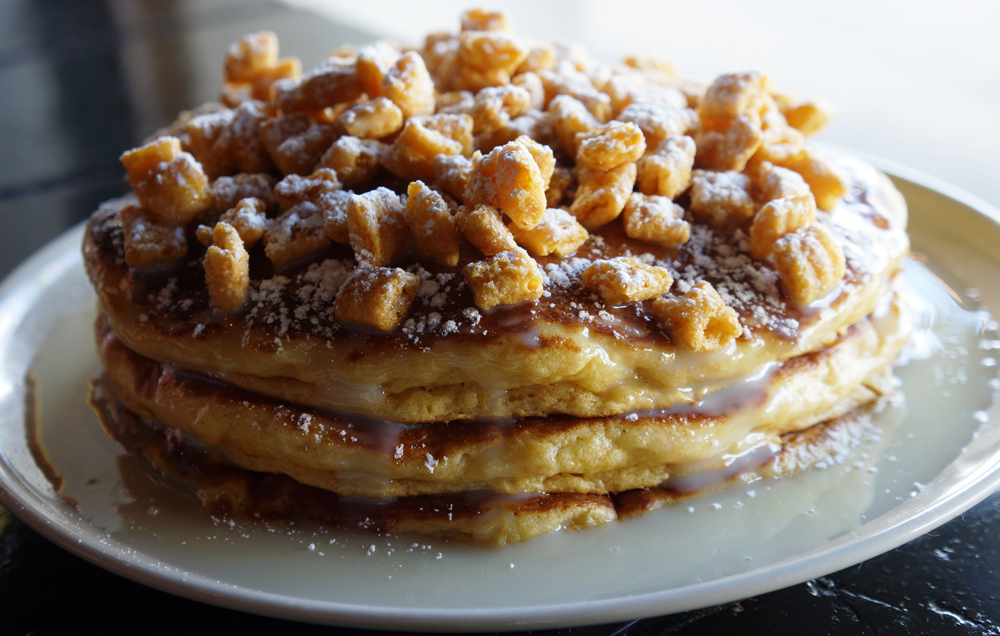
x=80 y=82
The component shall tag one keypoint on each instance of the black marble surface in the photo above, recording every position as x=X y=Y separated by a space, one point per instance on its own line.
x=82 y=80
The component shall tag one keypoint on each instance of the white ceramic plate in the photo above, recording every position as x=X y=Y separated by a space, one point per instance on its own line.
x=936 y=457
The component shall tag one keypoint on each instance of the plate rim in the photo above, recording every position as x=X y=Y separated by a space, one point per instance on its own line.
x=19 y=498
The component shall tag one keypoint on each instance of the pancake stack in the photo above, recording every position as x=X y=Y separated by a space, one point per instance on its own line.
x=488 y=288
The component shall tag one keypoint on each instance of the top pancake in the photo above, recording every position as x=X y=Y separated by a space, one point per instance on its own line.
x=564 y=353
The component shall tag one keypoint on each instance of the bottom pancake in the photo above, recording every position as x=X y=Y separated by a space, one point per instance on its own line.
x=479 y=517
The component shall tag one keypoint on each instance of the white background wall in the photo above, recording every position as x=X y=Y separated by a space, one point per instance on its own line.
x=917 y=82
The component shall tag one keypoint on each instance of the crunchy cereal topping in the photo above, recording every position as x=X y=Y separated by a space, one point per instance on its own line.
x=148 y=242
x=666 y=170
x=248 y=219
x=373 y=119
x=431 y=223
x=354 y=160
x=295 y=142
x=377 y=228
x=376 y=297
x=481 y=224
x=778 y=218
x=610 y=146
x=626 y=280
x=296 y=234
x=810 y=263
x=557 y=233
x=169 y=183
x=512 y=145
x=721 y=196
x=698 y=321
x=507 y=278
x=227 y=268
x=228 y=191
x=655 y=219
x=825 y=180
x=509 y=178
x=601 y=195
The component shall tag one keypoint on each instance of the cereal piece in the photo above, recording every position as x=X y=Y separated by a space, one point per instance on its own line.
x=409 y=85
x=207 y=139
x=656 y=68
x=482 y=20
x=779 y=144
x=457 y=127
x=601 y=195
x=621 y=87
x=484 y=229
x=542 y=155
x=454 y=102
x=560 y=184
x=569 y=117
x=509 y=178
x=356 y=161
x=729 y=149
x=810 y=263
x=248 y=219
x=411 y=156
x=333 y=82
x=808 y=116
x=655 y=219
x=440 y=54
x=169 y=183
x=532 y=83
x=249 y=56
x=658 y=121
x=610 y=145
x=295 y=143
x=376 y=226
x=487 y=58
x=452 y=173
x=580 y=87
x=699 y=321
x=507 y=278
x=295 y=189
x=374 y=61
x=533 y=124
x=432 y=225
x=778 y=218
x=721 y=196
x=148 y=242
x=252 y=65
x=376 y=297
x=204 y=234
x=297 y=233
x=227 y=191
x=227 y=268
x=541 y=57
x=557 y=233
x=227 y=141
x=825 y=180
x=334 y=207
x=626 y=279
x=494 y=107
x=667 y=170
x=730 y=96
x=774 y=182
x=372 y=119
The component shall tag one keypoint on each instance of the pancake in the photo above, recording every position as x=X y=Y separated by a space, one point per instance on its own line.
x=567 y=353
x=484 y=289
x=477 y=517
x=372 y=458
